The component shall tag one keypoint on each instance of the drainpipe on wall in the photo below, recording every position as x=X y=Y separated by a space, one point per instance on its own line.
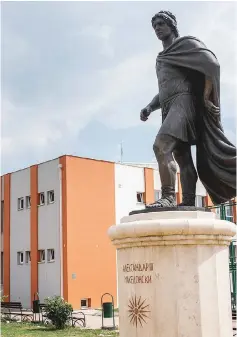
x=60 y=230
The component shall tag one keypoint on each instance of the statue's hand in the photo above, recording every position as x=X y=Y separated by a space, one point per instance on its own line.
x=145 y=113
x=211 y=107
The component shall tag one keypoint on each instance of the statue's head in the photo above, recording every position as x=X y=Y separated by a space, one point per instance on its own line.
x=164 y=24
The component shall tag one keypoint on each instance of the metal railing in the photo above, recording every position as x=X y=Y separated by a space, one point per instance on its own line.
x=226 y=212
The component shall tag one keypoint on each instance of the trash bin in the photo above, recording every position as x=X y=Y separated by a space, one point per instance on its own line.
x=108 y=309
x=107 y=312
x=36 y=303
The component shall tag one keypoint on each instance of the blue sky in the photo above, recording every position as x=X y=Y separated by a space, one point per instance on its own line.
x=75 y=76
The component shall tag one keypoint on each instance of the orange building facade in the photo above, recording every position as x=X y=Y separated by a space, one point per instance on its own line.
x=54 y=222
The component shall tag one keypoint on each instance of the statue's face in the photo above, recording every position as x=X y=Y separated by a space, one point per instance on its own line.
x=162 y=30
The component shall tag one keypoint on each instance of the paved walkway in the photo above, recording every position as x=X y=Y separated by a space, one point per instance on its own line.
x=94 y=319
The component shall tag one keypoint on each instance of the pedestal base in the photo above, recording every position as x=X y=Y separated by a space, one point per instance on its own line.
x=173 y=274
x=170 y=209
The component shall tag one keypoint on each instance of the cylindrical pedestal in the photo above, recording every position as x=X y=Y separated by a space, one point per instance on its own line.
x=173 y=274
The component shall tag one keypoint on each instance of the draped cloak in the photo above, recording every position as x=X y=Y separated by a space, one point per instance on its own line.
x=216 y=155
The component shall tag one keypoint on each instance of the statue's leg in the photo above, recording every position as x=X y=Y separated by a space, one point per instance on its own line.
x=163 y=148
x=188 y=174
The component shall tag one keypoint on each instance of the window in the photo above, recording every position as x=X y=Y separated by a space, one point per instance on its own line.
x=85 y=303
x=41 y=199
x=50 y=255
x=28 y=201
x=20 y=204
x=27 y=257
x=157 y=195
x=50 y=197
x=20 y=258
x=2 y=215
x=140 y=197
x=41 y=256
x=200 y=201
x=229 y=213
x=218 y=213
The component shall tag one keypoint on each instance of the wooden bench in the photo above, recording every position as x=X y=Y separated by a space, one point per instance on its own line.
x=14 y=310
x=79 y=320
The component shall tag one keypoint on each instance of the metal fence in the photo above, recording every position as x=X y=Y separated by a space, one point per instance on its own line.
x=226 y=212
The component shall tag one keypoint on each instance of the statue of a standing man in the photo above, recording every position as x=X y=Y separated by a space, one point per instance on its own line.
x=189 y=97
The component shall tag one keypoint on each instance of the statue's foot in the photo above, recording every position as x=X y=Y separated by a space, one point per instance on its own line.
x=166 y=201
x=188 y=200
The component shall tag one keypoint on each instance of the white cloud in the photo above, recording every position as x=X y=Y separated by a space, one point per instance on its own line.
x=101 y=32
x=217 y=29
x=43 y=125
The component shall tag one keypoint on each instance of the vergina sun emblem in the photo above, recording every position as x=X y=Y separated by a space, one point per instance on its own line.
x=138 y=311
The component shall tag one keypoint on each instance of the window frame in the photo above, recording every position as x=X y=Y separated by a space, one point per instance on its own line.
x=27 y=257
x=140 y=202
x=19 y=200
x=88 y=303
x=48 y=197
x=40 y=253
x=19 y=255
x=49 y=260
x=39 y=199
x=229 y=209
x=28 y=201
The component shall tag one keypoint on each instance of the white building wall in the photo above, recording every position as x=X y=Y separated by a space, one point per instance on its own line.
x=157 y=182
x=200 y=189
x=128 y=181
x=48 y=229
x=19 y=238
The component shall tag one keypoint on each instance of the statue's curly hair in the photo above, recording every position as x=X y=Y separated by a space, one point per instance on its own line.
x=169 y=18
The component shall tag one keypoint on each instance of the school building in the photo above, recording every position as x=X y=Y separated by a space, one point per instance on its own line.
x=54 y=221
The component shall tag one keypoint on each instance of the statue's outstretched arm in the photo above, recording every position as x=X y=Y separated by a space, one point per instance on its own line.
x=155 y=103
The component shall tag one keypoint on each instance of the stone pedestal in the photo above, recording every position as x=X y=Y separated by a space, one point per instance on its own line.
x=173 y=274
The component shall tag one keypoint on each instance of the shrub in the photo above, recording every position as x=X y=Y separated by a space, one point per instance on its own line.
x=3 y=297
x=58 y=311
x=4 y=317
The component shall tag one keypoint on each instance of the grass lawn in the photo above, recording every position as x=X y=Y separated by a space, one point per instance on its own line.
x=30 y=330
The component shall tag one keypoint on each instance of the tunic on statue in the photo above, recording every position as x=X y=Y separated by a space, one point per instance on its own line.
x=178 y=102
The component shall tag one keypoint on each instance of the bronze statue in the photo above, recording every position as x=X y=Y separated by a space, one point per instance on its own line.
x=189 y=82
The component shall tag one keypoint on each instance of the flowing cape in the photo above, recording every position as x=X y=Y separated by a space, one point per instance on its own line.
x=216 y=155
